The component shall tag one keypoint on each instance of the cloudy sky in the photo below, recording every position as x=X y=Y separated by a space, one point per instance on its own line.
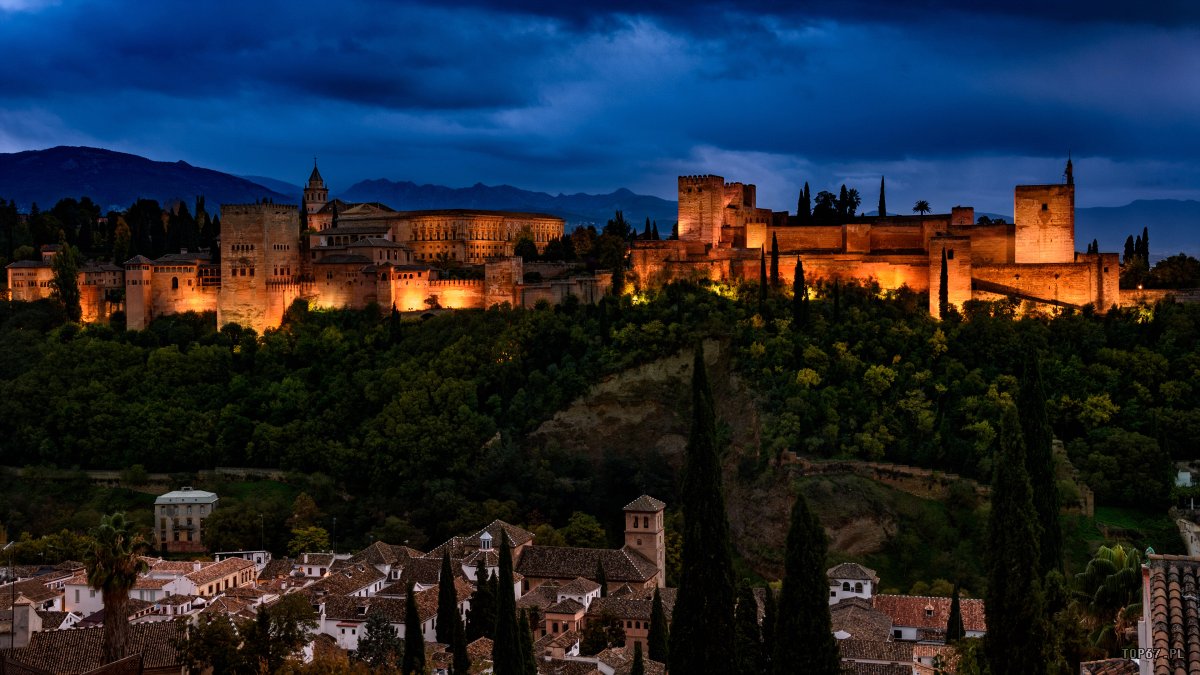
x=952 y=105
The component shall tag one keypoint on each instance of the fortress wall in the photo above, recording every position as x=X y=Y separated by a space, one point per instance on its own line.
x=336 y=286
x=458 y=293
x=1070 y=283
x=190 y=296
x=809 y=237
x=958 y=270
x=501 y=279
x=259 y=239
x=1045 y=223
x=890 y=272
x=701 y=204
x=889 y=237
x=962 y=215
x=989 y=243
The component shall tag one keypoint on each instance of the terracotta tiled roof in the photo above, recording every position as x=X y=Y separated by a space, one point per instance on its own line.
x=857 y=617
x=227 y=606
x=1109 y=667
x=77 y=650
x=567 y=606
x=516 y=535
x=541 y=597
x=564 y=640
x=918 y=611
x=315 y=559
x=620 y=660
x=345 y=581
x=380 y=553
x=622 y=608
x=566 y=667
x=175 y=599
x=1172 y=607
x=33 y=589
x=134 y=608
x=578 y=586
x=865 y=668
x=219 y=570
x=645 y=503
x=52 y=620
x=853 y=572
x=178 y=567
x=480 y=650
x=345 y=608
x=563 y=562
x=876 y=650
x=278 y=567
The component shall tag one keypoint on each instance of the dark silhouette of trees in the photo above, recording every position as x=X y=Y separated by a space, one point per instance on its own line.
x=921 y=207
x=803 y=631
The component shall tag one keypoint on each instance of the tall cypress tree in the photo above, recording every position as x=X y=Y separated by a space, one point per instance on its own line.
x=1129 y=252
x=762 y=281
x=481 y=617
x=747 y=634
x=1146 y=244
x=954 y=627
x=659 y=633
x=1013 y=602
x=447 y=601
x=774 y=261
x=458 y=647
x=638 y=667
x=675 y=230
x=803 y=628
x=65 y=282
x=528 y=661
x=601 y=578
x=414 y=641
x=646 y=230
x=506 y=645
x=1039 y=461
x=799 y=296
x=770 y=616
x=702 y=632
x=944 y=289
x=882 y=200
x=804 y=205
x=654 y=231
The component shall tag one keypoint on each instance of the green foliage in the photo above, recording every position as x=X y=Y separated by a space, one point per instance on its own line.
x=461 y=664
x=308 y=540
x=584 y=531
x=305 y=514
x=1039 y=460
x=702 y=634
x=954 y=627
x=1109 y=591
x=601 y=632
x=278 y=632
x=65 y=284
x=481 y=616
x=638 y=667
x=379 y=646
x=803 y=628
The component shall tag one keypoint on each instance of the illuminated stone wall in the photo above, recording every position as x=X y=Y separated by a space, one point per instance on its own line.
x=1045 y=223
x=701 y=205
x=260 y=264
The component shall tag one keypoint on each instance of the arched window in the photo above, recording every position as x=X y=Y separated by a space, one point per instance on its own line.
x=845 y=585
x=174 y=283
x=858 y=588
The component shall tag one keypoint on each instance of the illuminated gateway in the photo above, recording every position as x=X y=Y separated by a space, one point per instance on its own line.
x=722 y=234
x=350 y=255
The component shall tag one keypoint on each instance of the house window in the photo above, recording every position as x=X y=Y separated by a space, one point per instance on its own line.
x=858 y=588
x=845 y=585
x=949 y=254
x=896 y=634
x=645 y=521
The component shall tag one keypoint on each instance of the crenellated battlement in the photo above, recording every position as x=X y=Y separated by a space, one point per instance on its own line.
x=456 y=283
x=259 y=209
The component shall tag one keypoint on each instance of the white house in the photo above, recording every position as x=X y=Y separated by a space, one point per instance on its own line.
x=851 y=580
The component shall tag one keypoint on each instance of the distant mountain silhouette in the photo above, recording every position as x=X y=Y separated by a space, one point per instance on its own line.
x=1174 y=226
x=576 y=209
x=117 y=179
x=281 y=186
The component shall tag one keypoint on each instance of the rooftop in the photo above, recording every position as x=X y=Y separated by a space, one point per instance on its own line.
x=853 y=572
x=1172 y=606
x=645 y=503
x=77 y=650
x=931 y=613
x=564 y=562
x=187 y=496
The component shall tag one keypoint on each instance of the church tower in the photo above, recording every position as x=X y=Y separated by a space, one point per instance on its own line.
x=644 y=533
x=316 y=195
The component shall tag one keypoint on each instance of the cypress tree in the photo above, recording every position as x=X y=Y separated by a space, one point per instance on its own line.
x=799 y=296
x=675 y=230
x=658 y=635
x=770 y=616
x=481 y=617
x=458 y=647
x=506 y=645
x=1137 y=247
x=954 y=627
x=762 y=281
x=639 y=666
x=1039 y=461
x=944 y=288
x=1129 y=252
x=414 y=642
x=702 y=632
x=528 y=661
x=65 y=282
x=601 y=578
x=447 y=612
x=646 y=230
x=843 y=202
x=882 y=200
x=654 y=231
x=1146 y=244
x=747 y=634
x=774 y=261
x=1014 y=642
x=803 y=628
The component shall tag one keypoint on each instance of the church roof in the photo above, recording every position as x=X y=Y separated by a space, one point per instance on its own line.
x=314 y=179
x=645 y=503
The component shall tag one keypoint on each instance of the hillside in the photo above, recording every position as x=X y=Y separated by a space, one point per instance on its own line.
x=117 y=179
x=576 y=209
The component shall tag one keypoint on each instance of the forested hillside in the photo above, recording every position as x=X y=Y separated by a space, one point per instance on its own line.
x=425 y=421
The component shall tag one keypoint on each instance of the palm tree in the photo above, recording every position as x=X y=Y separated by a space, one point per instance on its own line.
x=1110 y=592
x=113 y=566
x=921 y=207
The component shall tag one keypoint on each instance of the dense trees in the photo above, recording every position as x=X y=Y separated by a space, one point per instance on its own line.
x=379 y=646
x=1039 y=458
x=65 y=284
x=803 y=631
x=702 y=636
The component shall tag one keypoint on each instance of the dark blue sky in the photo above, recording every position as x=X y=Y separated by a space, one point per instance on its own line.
x=954 y=106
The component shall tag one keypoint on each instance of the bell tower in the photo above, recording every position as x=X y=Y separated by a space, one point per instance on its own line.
x=644 y=533
x=316 y=195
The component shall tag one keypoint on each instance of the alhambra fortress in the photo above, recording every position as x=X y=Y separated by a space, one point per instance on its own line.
x=333 y=254
x=723 y=234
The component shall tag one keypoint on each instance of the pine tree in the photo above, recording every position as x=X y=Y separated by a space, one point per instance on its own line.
x=799 y=296
x=882 y=200
x=638 y=667
x=379 y=646
x=944 y=288
x=770 y=616
x=1039 y=461
x=414 y=641
x=447 y=601
x=528 y=661
x=601 y=578
x=506 y=645
x=1013 y=602
x=774 y=261
x=747 y=634
x=954 y=627
x=803 y=628
x=702 y=632
x=481 y=617
x=658 y=635
x=458 y=647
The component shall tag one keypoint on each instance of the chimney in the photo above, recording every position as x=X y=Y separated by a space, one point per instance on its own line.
x=26 y=622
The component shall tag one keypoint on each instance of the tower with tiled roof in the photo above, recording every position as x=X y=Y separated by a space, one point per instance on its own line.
x=644 y=532
x=316 y=195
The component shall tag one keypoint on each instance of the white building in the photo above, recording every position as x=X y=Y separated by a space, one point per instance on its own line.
x=179 y=517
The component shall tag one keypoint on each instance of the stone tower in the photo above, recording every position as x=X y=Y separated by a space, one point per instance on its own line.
x=316 y=195
x=1045 y=222
x=139 y=295
x=260 y=262
x=644 y=533
x=701 y=208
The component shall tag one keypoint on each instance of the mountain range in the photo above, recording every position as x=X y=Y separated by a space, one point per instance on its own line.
x=116 y=179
